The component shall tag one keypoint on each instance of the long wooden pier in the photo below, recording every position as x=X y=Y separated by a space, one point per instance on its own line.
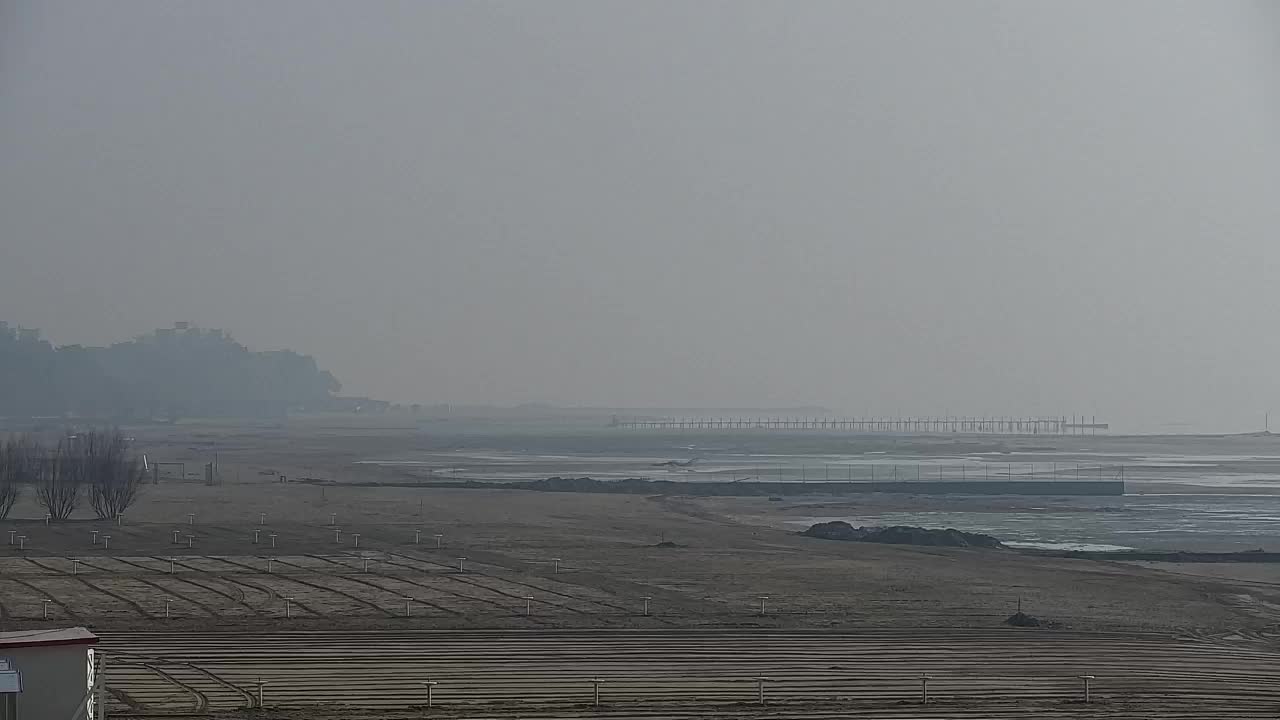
x=1062 y=425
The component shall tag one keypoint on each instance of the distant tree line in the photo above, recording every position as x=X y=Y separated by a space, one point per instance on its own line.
x=170 y=373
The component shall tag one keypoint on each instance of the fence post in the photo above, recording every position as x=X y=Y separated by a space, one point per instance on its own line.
x=760 y=681
x=261 y=683
x=100 y=677
x=1085 y=680
x=428 y=684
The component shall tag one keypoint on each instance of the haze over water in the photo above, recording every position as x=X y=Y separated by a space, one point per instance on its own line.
x=892 y=209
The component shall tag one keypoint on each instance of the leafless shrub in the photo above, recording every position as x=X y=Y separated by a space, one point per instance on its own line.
x=111 y=473
x=58 y=480
x=19 y=457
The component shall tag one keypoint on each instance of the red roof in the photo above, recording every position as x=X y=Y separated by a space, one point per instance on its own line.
x=38 y=638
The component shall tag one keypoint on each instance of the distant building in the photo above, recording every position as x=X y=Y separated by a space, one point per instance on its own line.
x=342 y=403
x=48 y=674
x=29 y=334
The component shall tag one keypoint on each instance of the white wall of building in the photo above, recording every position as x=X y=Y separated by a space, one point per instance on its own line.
x=55 y=679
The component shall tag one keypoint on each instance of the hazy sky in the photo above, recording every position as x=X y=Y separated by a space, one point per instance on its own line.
x=881 y=207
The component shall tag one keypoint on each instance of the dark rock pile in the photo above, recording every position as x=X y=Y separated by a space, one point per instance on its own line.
x=1021 y=619
x=901 y=535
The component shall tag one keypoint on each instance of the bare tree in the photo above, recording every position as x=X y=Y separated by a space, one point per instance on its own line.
x=112 y=473
x=19 y=456
x=58 y=480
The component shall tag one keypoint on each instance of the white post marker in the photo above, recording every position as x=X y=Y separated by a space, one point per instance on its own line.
x=255 y=535
x=190 y=540
x=366 y=564
x=646 y=600
x=417 y=537
x=45 y=605
x=22 y=542
x=760 y=681
x=167 y=601
x=270 y=561
x=47 y=518
x=355 y=539
x=191 y=518
x=460 y=561
x=176 y=533
x=528 y=605
x=1085 y=679
x=595 y=686
x=120 y=520
x=333 y=518
x=273 y=539
x=428 y=684
x=439 y=540
x=337 y=535
x=763 y=599
x=261 y=684
x=93 y=533
x=924 y=689
x=170 y=566
x=13 y=533
x=75 y=566
x=262 y=518
x=288 y=608
x=557 y=564
x=408 y=606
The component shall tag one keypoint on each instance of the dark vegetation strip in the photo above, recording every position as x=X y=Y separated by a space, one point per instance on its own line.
x=640 y=486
